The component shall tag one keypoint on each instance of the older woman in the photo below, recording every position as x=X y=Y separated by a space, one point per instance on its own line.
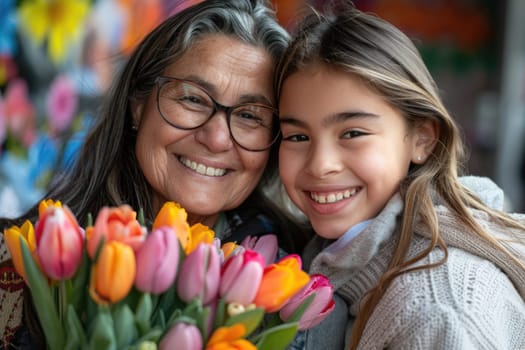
x=190 y=119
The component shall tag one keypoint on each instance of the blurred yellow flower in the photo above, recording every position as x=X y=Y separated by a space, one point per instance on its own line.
x=59 y=22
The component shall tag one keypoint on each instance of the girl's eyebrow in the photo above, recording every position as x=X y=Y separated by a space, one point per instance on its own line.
x=331 y=119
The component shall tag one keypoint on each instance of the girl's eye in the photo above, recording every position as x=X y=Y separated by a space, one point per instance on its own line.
x=295 y=138
x=353 y=133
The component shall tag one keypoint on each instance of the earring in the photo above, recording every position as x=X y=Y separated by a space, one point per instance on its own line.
x=419 y=158
x=134 y=127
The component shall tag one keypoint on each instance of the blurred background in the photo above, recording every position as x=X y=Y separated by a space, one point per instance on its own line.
x=58 y=57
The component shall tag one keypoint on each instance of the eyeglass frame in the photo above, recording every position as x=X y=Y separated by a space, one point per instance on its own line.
x=162 y=80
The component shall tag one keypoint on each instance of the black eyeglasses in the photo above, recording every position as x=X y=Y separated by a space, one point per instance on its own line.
x=185 y=105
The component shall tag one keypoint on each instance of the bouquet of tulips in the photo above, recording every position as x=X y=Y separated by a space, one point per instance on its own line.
x=117 y=284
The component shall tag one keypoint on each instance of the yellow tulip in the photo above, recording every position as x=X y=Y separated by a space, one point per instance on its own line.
x=113 y=274
x=199 y=234
x=228 y=248
x=12 y=238
x=46 y=203
x=173 y=215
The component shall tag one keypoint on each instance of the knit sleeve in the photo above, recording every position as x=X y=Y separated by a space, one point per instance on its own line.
x=466 y=303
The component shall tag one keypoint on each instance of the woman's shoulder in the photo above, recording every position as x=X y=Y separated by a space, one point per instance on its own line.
x=11 y=296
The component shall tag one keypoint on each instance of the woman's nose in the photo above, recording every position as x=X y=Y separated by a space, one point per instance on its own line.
x=215 y=134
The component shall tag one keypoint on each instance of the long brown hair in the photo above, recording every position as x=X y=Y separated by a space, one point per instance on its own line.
x=354 y=42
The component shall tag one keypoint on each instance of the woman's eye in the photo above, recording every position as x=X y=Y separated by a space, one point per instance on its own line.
x=190 y=99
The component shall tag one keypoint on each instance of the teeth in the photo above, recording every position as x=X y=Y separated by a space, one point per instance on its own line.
x=201 y=168
x=332 y=197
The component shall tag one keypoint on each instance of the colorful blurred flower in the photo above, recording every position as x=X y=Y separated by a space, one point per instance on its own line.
x=19 y=112
x=7 y=27
x=61 y=103
x=57 y=22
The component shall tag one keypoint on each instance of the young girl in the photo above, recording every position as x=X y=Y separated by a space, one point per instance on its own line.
x=371 y=156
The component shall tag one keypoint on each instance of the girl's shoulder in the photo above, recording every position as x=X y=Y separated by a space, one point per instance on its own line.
x=466 y=297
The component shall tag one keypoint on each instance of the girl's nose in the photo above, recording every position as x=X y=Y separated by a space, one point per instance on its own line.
x=323 y=161
x=215 y=134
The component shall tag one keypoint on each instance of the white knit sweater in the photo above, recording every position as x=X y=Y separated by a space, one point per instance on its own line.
x=467 y=303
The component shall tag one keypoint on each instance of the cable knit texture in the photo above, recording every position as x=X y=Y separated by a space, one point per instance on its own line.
x=473 y=301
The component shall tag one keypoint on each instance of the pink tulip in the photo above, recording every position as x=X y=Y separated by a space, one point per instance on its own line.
x=266 y=245
x=182 y=336
x=59 y=242
x=200 y=272
x=241 y=277
x=157 y=261
x=320 y=307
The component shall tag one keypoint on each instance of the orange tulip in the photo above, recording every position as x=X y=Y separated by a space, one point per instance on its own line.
x=113 y=274
x=115 y=224
x=12 y=238
x=173 y=215
x=229 y=338
x=199 y=234
x=287 y=275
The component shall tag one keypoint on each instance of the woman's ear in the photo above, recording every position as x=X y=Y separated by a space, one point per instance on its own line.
x=136 y=107
x=426 y=135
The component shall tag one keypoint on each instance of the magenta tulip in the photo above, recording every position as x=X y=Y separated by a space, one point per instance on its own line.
x=241 y=277
x=59 y=242
x=157 y=261
x=265 y=245
x=320 y=307
x=200 y=272
x=182 y=336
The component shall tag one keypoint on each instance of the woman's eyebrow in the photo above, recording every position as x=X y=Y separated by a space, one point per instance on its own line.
x=244 y=98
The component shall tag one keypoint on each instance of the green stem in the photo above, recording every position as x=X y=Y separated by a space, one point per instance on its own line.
x=62 y=301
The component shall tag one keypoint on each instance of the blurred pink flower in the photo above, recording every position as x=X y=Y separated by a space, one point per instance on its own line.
x=61 y=103
x=2 y=123
x=19 y=112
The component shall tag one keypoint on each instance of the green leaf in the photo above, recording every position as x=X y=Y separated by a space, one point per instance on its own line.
x=124 y=324
x=140 y=218
x=76 y=337
x=220 y=313
x=103 y=335
x=251 y=319
x=143 y=313
x=80 y=283
x=43 y=300
x=277 y=338
x=298 y=313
